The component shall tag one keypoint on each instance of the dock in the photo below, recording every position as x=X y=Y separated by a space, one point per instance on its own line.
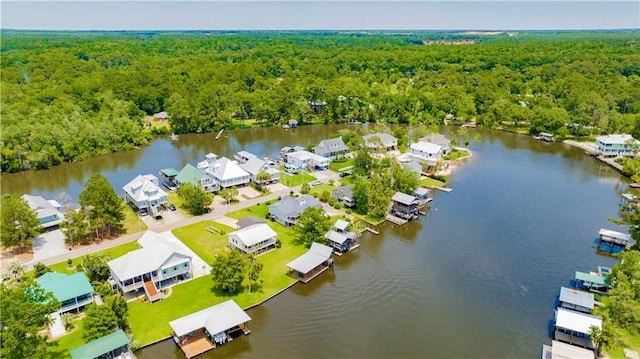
x=395 y=220
x=614 y=238
x=371 y=230
x=444 y=189
x=220 y=133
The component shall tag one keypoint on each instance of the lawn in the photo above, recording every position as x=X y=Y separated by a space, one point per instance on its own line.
x=200 y=240
x=259 y=210
x=456 y=154
x=131 y=222
x=624 y=339
x=369 y=219
x=198 y=294
x=341 y=164
x=177 y=201
x=113 y=253
x=430 y=182
x=296 y=180
x=323 y=187
x=70 y=341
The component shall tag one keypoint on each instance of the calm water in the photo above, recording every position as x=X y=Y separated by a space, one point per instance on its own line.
x=475 y=278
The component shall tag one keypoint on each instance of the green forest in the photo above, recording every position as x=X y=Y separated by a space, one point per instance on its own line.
x=70 y=96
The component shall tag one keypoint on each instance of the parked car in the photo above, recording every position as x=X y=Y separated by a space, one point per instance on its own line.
x=345 y=174
x=316 y=183
x=172 y=207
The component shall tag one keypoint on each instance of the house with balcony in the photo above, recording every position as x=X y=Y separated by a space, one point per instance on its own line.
x=48 y=212
x=144 y=194
x=380 y=142
x=332 y=148
x=440 y=140
x=255 y=239
x=158 y=264
x=196 y=177
x=227 y=173
x=288 y=209
x=73 y=291
x=255 y=165
x=404 y=205
x=243 y=156
x=287 y=149
x=426 y=153
x=306 y=159
x=617 y=145
x=341 y=238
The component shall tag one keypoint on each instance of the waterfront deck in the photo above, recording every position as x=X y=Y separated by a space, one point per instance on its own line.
x=444 y=189
x=614 y=238
x=195 y=344
x=310 y=275
x=395 y=220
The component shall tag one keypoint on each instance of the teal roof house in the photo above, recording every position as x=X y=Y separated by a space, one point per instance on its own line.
x=73 y=291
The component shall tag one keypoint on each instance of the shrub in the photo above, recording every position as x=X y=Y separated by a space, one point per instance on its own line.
x=278 y=243
x=348 y=211
x=69 y=262
x=40 y=269
x=336 y=205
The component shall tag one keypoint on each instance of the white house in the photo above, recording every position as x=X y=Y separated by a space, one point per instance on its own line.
x=617 y=145
x=254 y=165
x=332 y=148
x=256 y=239
x=194 y=176
x=306 y=159
x=48 y=212
x=440 y=140
x=226 y=172
x=426 y=152
x=380 y=142
x=159 y=263
x=244 y=156
x=144 y=194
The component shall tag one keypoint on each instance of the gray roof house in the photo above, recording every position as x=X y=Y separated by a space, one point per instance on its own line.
x=440 y=140
x=332 y=148
x=48 y=212
x=404 y=205
x=311 y=264
x=576 y=300
x=344 y=194
x=288 y=209
x=247 y=221
x=380 y=142
x=254 y=165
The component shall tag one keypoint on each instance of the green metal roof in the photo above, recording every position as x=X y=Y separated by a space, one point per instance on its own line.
x=101 y=346
x=65 y=286
x=590 y=278
x=189 y=174
x=171 y=172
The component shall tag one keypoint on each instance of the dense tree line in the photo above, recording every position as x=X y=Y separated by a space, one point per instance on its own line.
x=66 y=97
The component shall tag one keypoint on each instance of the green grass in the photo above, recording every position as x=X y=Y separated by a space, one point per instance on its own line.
x=201 y=241
x=343 y=164
x=369 y=219
x=131 y=222
x=346 y=180
x=150 y=322
x=624 y=339
x=296 y=180
x=70 y=341
x=175 y=200
x=113 y=253
x=456 y=154
x=259 y=210
x=323 y=187
x=430 y=182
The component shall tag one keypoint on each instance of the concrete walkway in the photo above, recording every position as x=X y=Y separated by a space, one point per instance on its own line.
x=48 y=244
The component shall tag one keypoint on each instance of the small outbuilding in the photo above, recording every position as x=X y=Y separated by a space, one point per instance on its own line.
x=574 y=327
x=311 y=264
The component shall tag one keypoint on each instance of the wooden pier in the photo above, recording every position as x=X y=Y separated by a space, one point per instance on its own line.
x=444 y=189
x=371 y=230
x=395 y=220
x=220 y=133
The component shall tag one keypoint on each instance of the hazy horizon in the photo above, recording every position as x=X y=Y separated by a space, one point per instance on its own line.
x=390 y=16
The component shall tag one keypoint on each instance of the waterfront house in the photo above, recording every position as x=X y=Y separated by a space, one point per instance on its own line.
x=286 y=149
x=244 y=156
x=617 y=145
x=144 y=195
x=545 y=136
x=311 y=264
x=426 y=152
x=199 y=332
x=423 y=195
x=288 y=209
x=73 y=291
x=306 y=159
x=196 y=177
x=576 y=300
x=110 y=346
x=559 y=350
x=380 y=142
x=344 y=194
x=414 y=166
x=332 y=148
x=255 y=239
x=48 y=212
x=247 y=221
x=317 y=106
x=168 y=177
x=158 y=264
x=404 y=205
x=574 y=327
x=440 y=140
x=293 y=123
x=161 y=116
x=226 y=172
x=341 y=238
x=255 y=165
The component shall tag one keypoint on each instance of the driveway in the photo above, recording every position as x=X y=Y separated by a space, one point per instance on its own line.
x=48 y=244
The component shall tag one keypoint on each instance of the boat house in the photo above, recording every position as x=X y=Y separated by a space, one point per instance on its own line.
x=559 y=350
x=574 y=327
x=73 y=291
x=576 y=300
x=48 y=212
x=311 y=264
x=159 y=264
x=613 y=239
x=168 y=177
x=404 y=206
x=201 y=331
x=111 y=346
x=341 y=238
x=255 y=239
x=424 y=195
x=591 y=281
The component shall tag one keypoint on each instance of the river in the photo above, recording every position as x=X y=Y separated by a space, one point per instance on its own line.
x=477 y=277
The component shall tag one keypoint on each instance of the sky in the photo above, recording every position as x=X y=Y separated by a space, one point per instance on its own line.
x=320 y=15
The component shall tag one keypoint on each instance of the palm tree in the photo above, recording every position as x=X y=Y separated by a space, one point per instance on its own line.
x=631 y=146
x=17 y=269
x=596 y=337
x=262 y=177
